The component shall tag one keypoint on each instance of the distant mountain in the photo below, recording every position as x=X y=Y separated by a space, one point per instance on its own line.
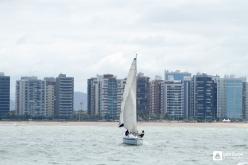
x=80 y=97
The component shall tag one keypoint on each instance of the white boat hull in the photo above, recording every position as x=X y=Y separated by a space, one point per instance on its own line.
x=132 y=140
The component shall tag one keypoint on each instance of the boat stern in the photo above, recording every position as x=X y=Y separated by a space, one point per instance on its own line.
x=132 y=140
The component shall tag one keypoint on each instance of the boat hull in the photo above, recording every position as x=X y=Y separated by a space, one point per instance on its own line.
x=132 y=140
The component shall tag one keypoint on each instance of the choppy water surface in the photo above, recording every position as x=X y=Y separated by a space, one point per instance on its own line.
x=100 y=145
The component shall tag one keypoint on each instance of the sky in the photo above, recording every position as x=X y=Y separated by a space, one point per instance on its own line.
x=83 y=38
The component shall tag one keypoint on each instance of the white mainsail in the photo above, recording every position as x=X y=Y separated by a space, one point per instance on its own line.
x=128 y=105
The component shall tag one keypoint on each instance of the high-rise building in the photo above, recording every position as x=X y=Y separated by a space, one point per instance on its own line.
x=176 y=75
x=187 y=88
x=245 y=100
x=155 y=97
x=64 y=96
x=221 y=99
x=93 y=93
x=50 y=87
x=105 y=96
x=143 y=86
x=204 y=97
x=231 y=97
x=172 y=99
x=120 y=90
x=30 y=94
x=233 y=90
x=108 y=97
x=4 y=95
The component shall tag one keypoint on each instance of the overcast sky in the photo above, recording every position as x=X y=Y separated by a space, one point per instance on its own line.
x=83 y=38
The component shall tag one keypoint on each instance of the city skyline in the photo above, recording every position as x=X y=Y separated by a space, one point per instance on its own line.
x=69 y=38
x=180 y=95
x=83 y=86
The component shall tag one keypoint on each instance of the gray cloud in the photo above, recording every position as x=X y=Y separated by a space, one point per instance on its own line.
x=85 y=38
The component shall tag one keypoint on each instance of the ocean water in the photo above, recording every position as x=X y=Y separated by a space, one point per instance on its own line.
x=102 y=145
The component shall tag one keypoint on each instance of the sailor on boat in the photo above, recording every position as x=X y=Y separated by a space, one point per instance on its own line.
x=126 y=133
x=142 y=134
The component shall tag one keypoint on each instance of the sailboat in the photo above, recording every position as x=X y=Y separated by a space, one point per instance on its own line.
x=128 y=116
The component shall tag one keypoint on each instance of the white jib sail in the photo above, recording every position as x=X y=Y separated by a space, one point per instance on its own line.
x=128 y=105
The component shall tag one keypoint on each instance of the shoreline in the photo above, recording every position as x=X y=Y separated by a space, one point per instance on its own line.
x=115 y=124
